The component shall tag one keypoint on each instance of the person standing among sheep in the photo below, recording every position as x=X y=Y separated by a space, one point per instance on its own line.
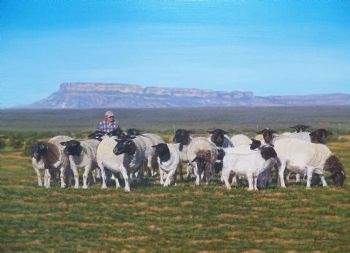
x=109 y=123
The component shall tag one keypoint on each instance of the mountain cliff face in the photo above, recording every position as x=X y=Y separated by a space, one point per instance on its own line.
x=108 y=95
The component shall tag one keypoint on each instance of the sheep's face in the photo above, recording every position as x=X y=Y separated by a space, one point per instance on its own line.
x=133 y=131
x=124 y=147
x=183 y=137
x=98 y=135
x=267 y=134
x=218 y=137
x=320 y=136
x=117 y=132
x=300 y=128
x=162 y=151
x=255 y=144
x=334 y=166
x=38 y=149
x=72 y=147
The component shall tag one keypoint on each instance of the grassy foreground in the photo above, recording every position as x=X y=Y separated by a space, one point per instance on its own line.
x=184 y=218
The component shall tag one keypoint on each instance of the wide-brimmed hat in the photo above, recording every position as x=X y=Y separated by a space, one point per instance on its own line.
x=109 y=114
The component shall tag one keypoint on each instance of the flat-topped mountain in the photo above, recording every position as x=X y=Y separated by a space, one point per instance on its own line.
x=108 y=95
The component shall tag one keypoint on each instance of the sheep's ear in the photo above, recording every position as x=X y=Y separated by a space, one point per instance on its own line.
x=260 y=132
x=64 y=143
x=211 y=131
x=154 y=146
x=194 y=160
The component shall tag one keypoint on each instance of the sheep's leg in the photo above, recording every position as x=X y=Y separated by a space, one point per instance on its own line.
x=324 y=183
x=85 y=175
x=309 y=171
x=288 y=177
x=250 y=182
x=47 y=178
x=189 y=170
x=37 y=171
x=76 y=176
x=255 y=182
x=126 y=178
x=117 y=185
x=197 y=174
x=297 y=178
x=103 y=176
x=62 y=176
x=169 y=176
x=179 y=168
x=161 y=176
x=281 y=173
x=225 y=177
x=234 y=180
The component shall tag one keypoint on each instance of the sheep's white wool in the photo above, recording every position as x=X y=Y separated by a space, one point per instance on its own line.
x=133 y=163
x=168 y=168
x=301 y=156
x=240 y=139
x=201 y=144
x=249 y=164
x=107 y=159
x=150 y=140
x=304 y=136
x=86 y=160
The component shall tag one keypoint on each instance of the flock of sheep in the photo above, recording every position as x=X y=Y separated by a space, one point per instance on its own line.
x=134 y=154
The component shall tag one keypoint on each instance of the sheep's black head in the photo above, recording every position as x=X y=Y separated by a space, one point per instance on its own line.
x=38 y=149
x=98 y=135
x=300 y=128
x=183 y=137
x=267 y=134
x=72 y=147
x=334 y=166
x=133 y=131
x=320 y=136
x=117 y=132
x=218 y=137
x=162 y=151
x=255 y=144
x=125 y=146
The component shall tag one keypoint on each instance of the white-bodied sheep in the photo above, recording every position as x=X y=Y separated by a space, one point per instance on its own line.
x=202 y=156
x=151 y=140
x=183 y=138
x=248 y=164
x=81 y=154
x=133 y=151
x=303 y=157
x=168 y=156
x=106 y=159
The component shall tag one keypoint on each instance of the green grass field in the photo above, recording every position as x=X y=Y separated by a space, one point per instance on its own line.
x=184 y=218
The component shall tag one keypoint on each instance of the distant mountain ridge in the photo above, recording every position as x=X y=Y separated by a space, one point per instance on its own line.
x=107 y=95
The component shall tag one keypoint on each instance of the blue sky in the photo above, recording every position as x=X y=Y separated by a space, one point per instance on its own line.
x=268 y=47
